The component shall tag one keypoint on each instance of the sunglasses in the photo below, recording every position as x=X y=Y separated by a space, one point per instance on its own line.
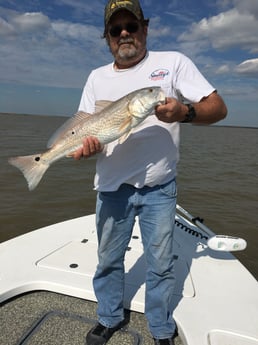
x=115 y=31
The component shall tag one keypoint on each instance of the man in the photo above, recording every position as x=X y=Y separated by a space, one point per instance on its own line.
x=137 y=178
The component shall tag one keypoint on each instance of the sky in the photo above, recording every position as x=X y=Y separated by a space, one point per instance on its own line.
x=49 y=47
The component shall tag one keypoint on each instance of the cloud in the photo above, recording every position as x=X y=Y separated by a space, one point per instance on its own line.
x=248 y=68
x=30 y=22
x=226 y=30
x=6 y=29
x=80 y=8
x=181 y=17
x=223 y=69
x=247 y=6
x=40 y=51
x=16 y=24
x=157 y=29
x=76 y=31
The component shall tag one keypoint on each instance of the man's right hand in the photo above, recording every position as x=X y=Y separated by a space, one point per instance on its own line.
x=90 y=147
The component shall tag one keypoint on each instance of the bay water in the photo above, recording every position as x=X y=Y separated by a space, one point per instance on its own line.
x=217 y=181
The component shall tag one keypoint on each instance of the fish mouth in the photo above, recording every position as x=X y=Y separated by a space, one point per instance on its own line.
x=163 y=98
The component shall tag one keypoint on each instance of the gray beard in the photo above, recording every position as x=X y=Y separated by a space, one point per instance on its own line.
x=127 y=53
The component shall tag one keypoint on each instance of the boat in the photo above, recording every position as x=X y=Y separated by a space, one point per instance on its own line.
x=46 y=292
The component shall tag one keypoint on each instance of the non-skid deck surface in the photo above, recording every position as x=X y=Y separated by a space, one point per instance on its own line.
x=43 y=318
x=64 y=328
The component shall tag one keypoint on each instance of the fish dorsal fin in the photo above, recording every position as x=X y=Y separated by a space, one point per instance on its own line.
x=100 y=105
x=68 y=125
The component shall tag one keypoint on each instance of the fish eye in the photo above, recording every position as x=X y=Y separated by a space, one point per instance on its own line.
x=151 y=90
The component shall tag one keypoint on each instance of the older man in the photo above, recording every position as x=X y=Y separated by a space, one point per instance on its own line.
x=138 y=177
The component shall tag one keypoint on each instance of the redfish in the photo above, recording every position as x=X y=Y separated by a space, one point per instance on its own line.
x=111 y=121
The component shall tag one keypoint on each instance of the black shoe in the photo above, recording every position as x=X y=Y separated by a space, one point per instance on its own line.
x=168 y=341
x=99 y=334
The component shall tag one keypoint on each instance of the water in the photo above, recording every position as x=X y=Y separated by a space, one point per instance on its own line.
x=217 y=181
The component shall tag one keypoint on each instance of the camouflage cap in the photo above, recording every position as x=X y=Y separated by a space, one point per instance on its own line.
x=132 y=6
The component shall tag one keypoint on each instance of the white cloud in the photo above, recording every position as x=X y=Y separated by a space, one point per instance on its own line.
x=30 y=22
x=36 y=50
x=17 y=24
x=223 y=69
x=226 y=30
x=76 y=31
x=6 y=29
x=247 y=6
x=248 y=68
x=157 y=29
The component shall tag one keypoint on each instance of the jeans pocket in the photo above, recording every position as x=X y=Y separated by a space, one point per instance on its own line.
x=169 y=189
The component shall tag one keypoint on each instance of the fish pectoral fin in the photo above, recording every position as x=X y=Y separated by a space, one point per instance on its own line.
x=123 y=138
x=126 y=124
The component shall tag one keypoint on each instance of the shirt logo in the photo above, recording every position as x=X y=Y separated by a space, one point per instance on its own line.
x=159 y=74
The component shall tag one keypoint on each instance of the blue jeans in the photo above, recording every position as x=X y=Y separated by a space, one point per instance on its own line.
x=115 y=217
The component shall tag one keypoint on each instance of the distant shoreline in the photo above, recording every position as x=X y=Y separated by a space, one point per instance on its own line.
x=43 y=115
x=66 y=116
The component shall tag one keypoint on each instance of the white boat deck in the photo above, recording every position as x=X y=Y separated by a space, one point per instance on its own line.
x=216 y=298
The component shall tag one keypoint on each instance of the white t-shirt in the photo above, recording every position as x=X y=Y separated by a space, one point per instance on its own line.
x=150 y=154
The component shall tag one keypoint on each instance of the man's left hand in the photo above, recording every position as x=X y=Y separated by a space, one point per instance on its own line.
x=171 y=111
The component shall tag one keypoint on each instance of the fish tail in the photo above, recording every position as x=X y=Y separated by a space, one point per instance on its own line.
x=32 y=167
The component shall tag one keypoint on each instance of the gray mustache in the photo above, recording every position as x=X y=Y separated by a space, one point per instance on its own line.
x=125 y=40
